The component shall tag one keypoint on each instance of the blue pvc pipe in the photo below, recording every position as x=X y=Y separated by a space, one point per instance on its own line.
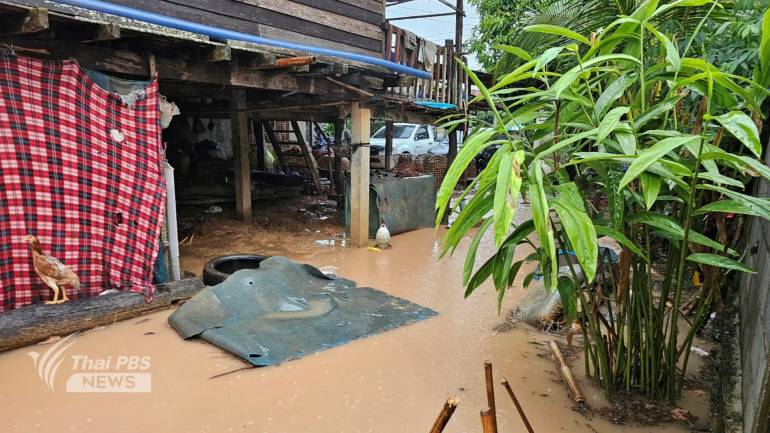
x=220 y=33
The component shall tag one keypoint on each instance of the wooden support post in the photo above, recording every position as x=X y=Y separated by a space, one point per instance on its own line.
x=490 y=394
x=445 y=415
x=359 y=175
x=312 y=166
x=339 y=175
x=388 y=145
x=259 y=138
x=452 y=151
x=241 y=146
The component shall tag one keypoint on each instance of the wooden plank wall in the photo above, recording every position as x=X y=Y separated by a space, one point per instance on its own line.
x=349 y=25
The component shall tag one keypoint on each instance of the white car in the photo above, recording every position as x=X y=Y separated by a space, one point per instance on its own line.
x=409 y=138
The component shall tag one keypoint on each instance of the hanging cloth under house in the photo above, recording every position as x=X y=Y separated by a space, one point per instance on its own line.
x=80 y=169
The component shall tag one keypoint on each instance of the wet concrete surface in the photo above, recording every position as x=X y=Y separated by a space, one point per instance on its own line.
x=393 y=382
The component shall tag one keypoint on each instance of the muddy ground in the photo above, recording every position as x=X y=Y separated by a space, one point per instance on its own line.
x=393 y=382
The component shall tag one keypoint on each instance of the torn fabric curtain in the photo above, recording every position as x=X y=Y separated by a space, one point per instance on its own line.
x=82 y=171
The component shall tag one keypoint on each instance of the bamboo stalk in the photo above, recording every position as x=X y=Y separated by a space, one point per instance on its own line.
x=518 y=406
x=566 y=373
x=490 y=393
x=488 y=421
x=445 y=415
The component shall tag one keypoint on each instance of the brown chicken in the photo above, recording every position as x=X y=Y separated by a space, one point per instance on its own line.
x=53 y=272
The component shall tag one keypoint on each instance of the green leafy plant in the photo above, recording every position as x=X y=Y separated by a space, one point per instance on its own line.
x=625 y=135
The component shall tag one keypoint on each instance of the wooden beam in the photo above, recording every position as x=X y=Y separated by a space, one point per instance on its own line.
x=241 y=147
x=38 y=322
x=312 y=166
x=359 y=175
x=34 y=20
x=132 y=63
x=105 y=32
x=219 y=53
x=352 y=88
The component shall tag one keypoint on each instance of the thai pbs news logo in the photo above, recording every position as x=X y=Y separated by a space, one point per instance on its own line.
x=120 y=373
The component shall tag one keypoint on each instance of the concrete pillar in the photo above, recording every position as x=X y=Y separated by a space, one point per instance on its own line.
x=241 y=146
x=359 y=175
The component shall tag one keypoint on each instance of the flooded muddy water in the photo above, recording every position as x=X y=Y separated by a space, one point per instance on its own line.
x=396 y=381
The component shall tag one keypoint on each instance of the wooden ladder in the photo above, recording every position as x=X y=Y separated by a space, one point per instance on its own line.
x=307 y=154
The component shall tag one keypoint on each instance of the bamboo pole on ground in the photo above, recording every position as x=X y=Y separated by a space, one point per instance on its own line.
x=490 y=393
x=518 y=405
x=445 y=415
x=488 y=421
x=566 y=373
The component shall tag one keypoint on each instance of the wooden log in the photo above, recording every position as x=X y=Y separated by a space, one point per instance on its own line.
x=566 y=373
x=445 y=415
x=490 y=393
x=37 y=322
x=488 y=421
x=516 y=403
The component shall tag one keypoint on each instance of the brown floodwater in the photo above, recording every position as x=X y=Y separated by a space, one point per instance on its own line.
x=396 y=381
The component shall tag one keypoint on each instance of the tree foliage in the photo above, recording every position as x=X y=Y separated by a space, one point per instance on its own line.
x=630 y=133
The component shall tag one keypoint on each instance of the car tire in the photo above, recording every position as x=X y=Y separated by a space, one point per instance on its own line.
x=219 y=268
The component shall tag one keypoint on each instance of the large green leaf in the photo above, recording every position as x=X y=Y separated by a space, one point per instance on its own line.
x=675 y=231
x=470 y=258
x=650 y=188
x=719 y=261
x=506 y=192
x=485 y=270
x=732 y=206
x=559 y=31
x=743 y=128
x=610 y=122
x=578 y=226
x=477 y=142
x=672 y=53
x=655 y=112
x=540 y=215
x=650 y=156
x=614 y=91
x=758 y=206
x=620 y=237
